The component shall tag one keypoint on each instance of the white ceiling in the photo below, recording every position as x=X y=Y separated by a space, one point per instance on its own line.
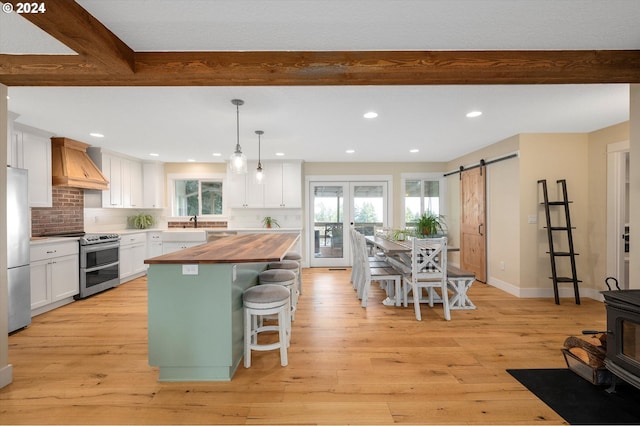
x=320 y=123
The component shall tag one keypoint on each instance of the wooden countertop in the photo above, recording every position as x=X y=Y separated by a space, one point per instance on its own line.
x=241 y=248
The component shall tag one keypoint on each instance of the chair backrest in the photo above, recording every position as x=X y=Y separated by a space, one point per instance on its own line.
x=429 y=258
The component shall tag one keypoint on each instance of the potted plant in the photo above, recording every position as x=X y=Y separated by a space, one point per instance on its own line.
x=431 y=224
x=401 y=234
x=270 y=222
x=142 y=221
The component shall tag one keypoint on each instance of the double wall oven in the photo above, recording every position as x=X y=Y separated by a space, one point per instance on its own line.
x=99 y=263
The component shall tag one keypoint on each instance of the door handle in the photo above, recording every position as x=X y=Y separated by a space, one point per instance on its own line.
x=480 y=229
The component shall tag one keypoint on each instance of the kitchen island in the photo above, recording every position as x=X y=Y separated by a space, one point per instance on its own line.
x=195 y=304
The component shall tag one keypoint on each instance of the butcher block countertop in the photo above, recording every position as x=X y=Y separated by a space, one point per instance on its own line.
x=241 y=248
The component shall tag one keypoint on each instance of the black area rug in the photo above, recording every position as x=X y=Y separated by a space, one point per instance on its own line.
x=578 y=401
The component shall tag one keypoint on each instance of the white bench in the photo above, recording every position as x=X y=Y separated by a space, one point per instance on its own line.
x=459 y=281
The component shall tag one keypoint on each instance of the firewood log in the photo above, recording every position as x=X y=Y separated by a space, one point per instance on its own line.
x=586 y=351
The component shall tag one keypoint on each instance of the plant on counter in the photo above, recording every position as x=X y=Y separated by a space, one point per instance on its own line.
x=402 y=234
x=270 y=222
x=431 y=224
x=141 y=221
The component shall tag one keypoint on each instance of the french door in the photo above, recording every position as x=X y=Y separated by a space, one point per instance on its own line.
x=334 y=207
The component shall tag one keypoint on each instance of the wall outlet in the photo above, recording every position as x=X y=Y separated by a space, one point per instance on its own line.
x=189 y=269
x=502 y=265
x=532 y=219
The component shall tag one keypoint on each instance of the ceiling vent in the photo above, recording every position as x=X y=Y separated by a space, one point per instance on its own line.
x=71 y=166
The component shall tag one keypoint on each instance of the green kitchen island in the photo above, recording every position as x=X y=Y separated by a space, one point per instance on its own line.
x=195 y=310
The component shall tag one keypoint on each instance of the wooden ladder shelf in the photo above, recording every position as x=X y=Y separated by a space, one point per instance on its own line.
x=566 y=230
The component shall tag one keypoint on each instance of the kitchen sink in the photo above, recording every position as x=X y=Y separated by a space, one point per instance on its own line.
x=181 y=234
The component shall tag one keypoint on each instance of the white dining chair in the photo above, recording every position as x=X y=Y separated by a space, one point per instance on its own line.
x=429 y=272
x=374 y=270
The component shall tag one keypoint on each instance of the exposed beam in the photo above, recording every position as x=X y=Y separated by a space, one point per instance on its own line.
x=72 y=25
x=24 y=66
x=337 y=68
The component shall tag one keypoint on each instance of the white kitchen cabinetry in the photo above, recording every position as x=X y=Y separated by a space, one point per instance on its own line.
x=153 y=184
x=54 y=275
x=243 y=192
x=283 y=186
x=170 y=247
x=30 y=149
x=154 y=244
x=125 y=178
x=133 y=252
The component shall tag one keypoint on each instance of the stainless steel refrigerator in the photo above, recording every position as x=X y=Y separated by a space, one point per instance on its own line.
x=18 y=235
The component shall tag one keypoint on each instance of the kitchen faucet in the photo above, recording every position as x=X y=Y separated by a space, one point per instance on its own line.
x=195 y=220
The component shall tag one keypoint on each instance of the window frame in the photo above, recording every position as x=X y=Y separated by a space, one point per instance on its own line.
x=442 y=182
x=200 y=177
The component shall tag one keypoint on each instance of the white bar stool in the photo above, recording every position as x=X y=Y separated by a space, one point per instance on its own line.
x=285 y=278
x=290 y=265
x=296 y=257
x=263 y=300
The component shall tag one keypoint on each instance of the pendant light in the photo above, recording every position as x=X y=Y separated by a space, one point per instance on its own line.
x=238 y=159
x=259 y=172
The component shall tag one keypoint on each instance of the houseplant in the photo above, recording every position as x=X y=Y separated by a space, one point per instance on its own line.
x=142 y=221
x=270 y=222
x=401 y=234
x=431 y=224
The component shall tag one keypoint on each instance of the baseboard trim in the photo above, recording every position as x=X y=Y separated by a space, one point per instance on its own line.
x=546 y=293
x=6 y=375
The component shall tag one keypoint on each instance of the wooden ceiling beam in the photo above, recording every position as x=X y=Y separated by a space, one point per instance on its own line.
x=76 y=28
x=333 y=68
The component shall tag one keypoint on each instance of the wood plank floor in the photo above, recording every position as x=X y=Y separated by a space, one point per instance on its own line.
x=86 y=363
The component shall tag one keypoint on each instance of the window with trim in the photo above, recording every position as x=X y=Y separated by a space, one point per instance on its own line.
x=201 y=197
x=422 y=195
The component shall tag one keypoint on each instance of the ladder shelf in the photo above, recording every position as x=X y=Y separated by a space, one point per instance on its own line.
x=555 y=255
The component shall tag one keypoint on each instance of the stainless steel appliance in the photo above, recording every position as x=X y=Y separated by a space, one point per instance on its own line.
x=99 y=263
x=18 y=267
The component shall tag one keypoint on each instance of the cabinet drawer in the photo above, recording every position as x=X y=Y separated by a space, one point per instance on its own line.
x=129 y=239
x=48 y=251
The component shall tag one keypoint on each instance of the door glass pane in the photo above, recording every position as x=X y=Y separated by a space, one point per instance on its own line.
x=368 y=208
x=211 y=197
x=328 y=214
x=186 y=197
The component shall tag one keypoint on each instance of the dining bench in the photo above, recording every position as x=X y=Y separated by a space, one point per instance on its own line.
x=459 y=281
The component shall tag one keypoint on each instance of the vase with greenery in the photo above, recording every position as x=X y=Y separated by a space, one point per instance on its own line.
x=431 y=224
x=401 y=234
x=142 y=221
x=270 y=222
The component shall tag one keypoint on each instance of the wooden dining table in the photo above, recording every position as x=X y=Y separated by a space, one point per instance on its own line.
x=398 y=254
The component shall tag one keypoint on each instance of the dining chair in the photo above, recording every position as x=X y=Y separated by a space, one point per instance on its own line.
x=429 y=272
x=378 y=271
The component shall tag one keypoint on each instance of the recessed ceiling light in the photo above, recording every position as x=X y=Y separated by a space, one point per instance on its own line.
x=371 y=114
x=414 y=150
x=97 y=135
x=154 y=154
x=279 y=154
x=473 y=114
x=191 y=160
x=350 y=151
x=217 y=154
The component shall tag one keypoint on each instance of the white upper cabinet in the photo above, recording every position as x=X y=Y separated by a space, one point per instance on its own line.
x=153 y=184
x=30 y=149
x=283 y=186
x=242 y=191
x=125 y=178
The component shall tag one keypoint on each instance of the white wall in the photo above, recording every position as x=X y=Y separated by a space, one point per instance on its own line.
x=6 y=374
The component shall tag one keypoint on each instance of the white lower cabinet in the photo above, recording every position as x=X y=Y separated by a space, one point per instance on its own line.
x=54 y=275
x=133 y=252
x=154 y=244
x=170 y=247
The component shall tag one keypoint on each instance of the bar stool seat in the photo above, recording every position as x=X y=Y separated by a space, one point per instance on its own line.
x=285 y=278
x=268 y=299
x=291 y=265
x=296 y=257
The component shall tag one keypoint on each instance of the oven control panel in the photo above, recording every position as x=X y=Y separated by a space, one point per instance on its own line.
x=99 y=238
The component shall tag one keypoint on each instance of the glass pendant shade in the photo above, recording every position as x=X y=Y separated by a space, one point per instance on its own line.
x=259 y=176
x=238 y=160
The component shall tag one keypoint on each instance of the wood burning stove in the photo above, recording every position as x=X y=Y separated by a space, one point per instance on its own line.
x=623 y=335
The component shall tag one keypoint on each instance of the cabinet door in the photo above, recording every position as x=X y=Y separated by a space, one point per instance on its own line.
x=65 y=281
x=254 y=192
x=291 y=185
x=40 y=283
x=139 y=255
x=273 y=185
x=126 y=262
x=153 y=185
x=112 y=170
x=37 y=159
x=132 y=183
x=236 y=194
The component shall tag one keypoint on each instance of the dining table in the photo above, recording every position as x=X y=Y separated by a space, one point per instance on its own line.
x=398 y=254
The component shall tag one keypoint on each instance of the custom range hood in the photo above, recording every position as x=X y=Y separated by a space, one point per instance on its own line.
x=71 y=166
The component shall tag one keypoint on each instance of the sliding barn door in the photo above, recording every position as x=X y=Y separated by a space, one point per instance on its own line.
x=473 y=235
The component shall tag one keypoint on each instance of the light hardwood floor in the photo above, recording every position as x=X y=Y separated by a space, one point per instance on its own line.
x=86 y=363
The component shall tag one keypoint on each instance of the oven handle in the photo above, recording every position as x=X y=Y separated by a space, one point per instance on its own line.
x=97 y=247
x=97 y=268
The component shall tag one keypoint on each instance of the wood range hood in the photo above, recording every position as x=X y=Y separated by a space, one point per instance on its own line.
x=71 y=166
